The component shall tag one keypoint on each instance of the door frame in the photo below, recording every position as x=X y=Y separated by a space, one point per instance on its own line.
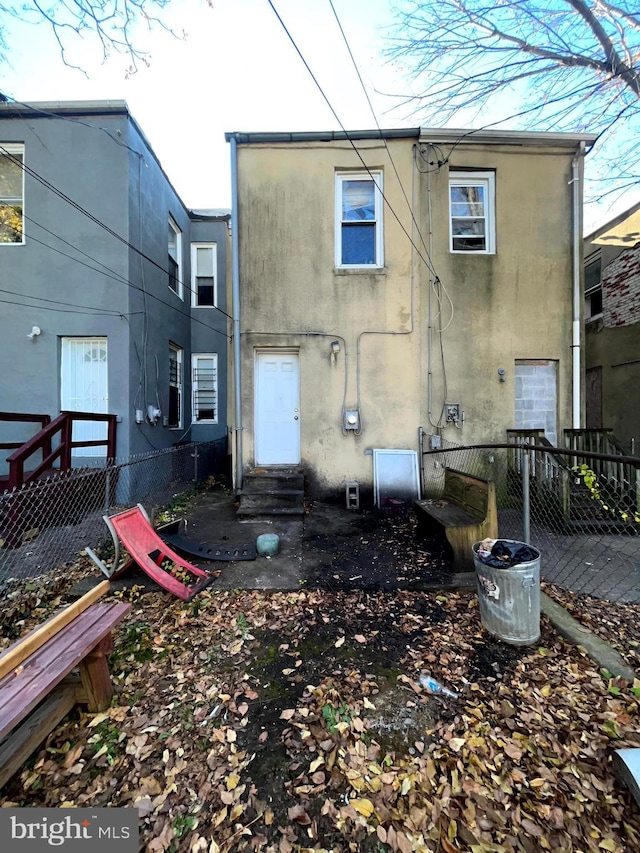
x=84 y=430
x=257 y=352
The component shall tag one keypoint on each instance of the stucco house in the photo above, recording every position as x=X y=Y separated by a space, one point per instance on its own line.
x=114 y=293
x=612 y=327
x=400 y=283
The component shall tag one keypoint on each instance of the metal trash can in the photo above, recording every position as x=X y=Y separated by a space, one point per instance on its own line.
x=510 y=598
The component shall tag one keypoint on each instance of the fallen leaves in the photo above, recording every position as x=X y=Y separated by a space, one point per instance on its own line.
x=287 y=722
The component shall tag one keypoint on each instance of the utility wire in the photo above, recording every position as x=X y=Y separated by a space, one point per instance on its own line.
x=57 y=310
x=109 y=274
x=426 y=261
x=375 y=118
x=32 y=173
x=75 y=120
x=88 y=308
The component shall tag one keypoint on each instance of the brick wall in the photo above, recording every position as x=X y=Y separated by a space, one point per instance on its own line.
x=621 y=289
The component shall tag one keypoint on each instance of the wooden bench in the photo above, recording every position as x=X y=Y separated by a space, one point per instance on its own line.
x=38 y=685
x=466 y=511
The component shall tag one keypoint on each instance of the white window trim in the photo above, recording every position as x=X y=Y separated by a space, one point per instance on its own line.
x=487 y=180
x=178 y=351
x=194 y=277
x=17 y=148
x=378 y=202
x=195 y=357
x=178 y=233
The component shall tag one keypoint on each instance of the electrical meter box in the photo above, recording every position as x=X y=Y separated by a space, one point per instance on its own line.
x=352 y=419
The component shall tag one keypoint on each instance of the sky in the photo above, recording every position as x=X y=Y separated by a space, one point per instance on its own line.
x=234 y=70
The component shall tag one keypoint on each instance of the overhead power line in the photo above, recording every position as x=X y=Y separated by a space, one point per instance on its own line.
x=427 y=260
x=46 y=183
x=110 y=273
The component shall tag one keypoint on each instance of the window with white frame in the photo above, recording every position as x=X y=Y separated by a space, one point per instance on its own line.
x=11 y=194
x=203 y=274
x=472 y=212
x=204 y=388
x=175 y=258
x=175 y=387
x=593 y=287
x=359 y=239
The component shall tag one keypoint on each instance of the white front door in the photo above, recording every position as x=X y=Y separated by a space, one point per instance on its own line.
x=277 y=408
x=84 y=388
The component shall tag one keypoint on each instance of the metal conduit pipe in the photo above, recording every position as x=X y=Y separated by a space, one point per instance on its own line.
x=235 y=291
x=576 y=331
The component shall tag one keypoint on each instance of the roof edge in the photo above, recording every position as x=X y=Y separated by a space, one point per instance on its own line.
x=321 y=136
x=459 y=136
x=462 y=136
x=66 y=108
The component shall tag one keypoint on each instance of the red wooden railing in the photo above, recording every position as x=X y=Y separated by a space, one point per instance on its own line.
x=62 y=426
x=21 y=418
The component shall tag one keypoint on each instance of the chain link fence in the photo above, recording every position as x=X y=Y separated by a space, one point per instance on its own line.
x=50 y=522
x=579 y=508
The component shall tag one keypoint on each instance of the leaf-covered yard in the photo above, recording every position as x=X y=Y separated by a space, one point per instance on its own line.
x=296 y=721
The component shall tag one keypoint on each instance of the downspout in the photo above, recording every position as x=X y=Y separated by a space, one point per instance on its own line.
x=235 y=291
x=577 y=290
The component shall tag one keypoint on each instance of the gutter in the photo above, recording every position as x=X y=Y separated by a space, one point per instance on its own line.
x=578 y=159
x=235 y=302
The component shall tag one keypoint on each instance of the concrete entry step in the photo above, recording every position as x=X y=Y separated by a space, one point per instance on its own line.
x=271 y=492
x=266 y=479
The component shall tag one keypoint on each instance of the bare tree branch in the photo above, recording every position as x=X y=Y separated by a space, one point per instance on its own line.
x=117 y=26
x=566 y=65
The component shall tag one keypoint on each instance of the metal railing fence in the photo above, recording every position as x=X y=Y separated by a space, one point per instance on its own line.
x=47 y=523
x=586 y=524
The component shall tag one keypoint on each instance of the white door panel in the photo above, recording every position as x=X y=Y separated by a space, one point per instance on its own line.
x=277 y=408
x=84 y=388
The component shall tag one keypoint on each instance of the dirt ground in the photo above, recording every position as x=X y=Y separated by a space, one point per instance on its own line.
x=294 y=720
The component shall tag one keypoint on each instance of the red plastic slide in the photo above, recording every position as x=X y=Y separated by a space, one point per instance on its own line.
x=169 y=570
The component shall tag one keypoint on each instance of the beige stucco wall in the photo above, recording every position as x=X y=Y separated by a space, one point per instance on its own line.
x=513 y=305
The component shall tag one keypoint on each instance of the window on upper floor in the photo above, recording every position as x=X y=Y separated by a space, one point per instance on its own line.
x=175 y=387
x=203 y=274
x=204 y=386
x=359 y=220
x=593 y=287
x=175 y=258
x=11 y=194
x=472 y=226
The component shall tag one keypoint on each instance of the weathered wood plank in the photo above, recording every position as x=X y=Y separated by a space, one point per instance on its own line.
x=16 y=653
x=467 y=513
x=96 y=681
x=25 y=687
x=16 y=748
x=447 y=514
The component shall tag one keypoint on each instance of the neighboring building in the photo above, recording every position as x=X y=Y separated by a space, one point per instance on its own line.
x=114 y=293
x=612 y=327
x=403 y=280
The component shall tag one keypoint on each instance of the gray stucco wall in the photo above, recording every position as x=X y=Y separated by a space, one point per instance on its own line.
x=209 y=331
x=74 y=278
x=65 y=277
